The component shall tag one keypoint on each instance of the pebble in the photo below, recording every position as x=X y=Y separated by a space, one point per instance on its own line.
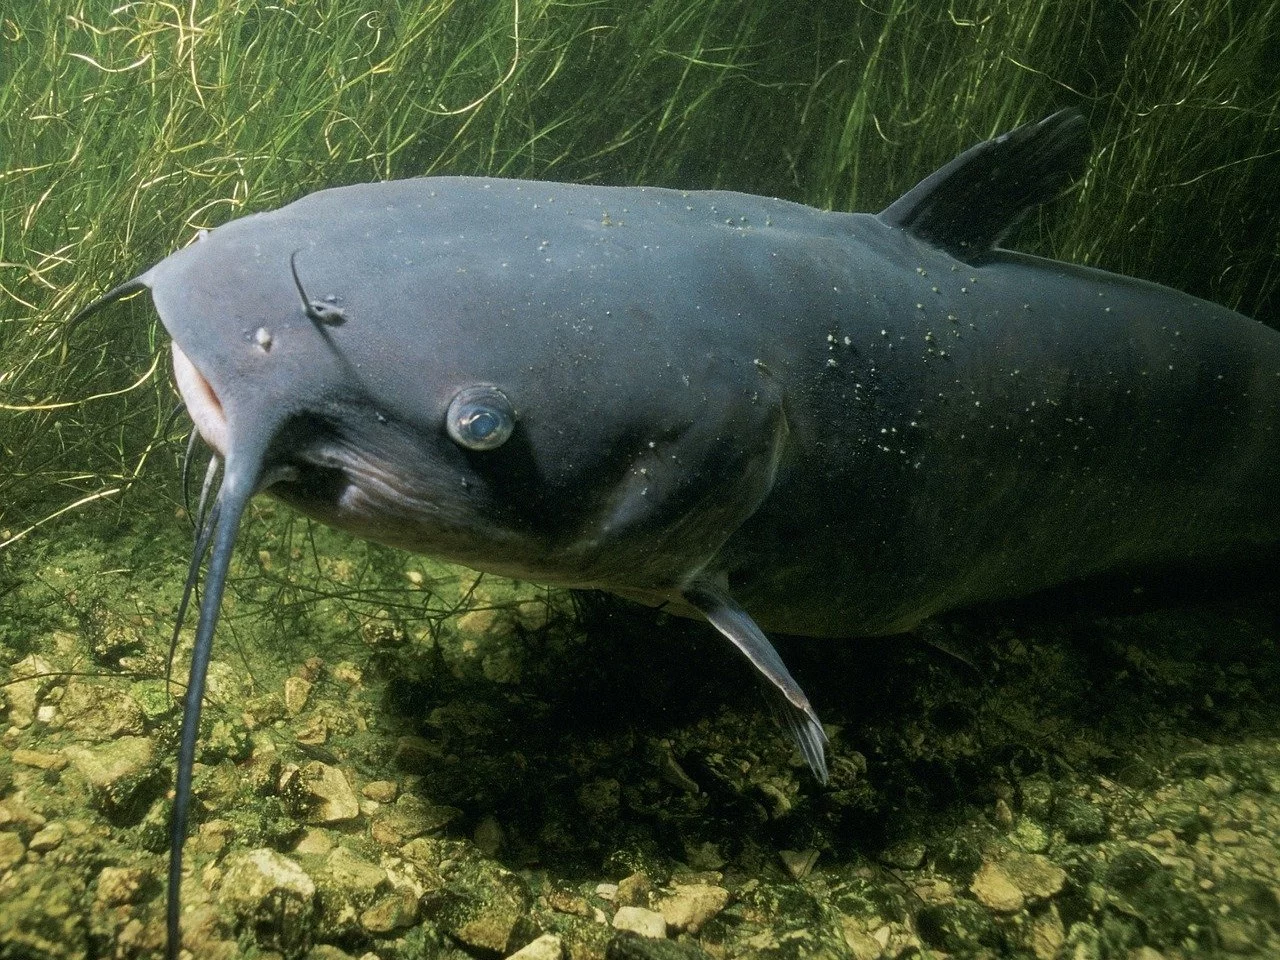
x=12 y=851
x=50 y=838
x=119 y=885
x=799 y=863
x=330 y=791
x=24 y=694
x=647 y=923
x=382 y=791
x=39 y=759
x=546 y=947
x=634 y=890
x=1006 y=885
x=271 y=894
x=117 y=772
x=396 y=911
x=687 y=908
x=487 y=836
x=296 y=692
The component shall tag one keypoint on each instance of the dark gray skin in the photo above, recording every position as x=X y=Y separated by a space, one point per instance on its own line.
x=777 y=417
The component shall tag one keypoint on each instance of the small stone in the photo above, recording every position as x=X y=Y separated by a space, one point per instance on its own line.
x=12 y=851
x=488 y=836
x=95 y=714
x=634 y=890
x=40 y=760
x=313 y=841
x=546 y=947
x=411 y=817
x=1047 y=934
x=994 y=889
x=327 y=951
x=314 y=732
x=1006 y=885
x=799 y=863
x=119 y=885
x=1226 y=836
x=687 y=908
x=332 y=798
x=32 y=676
x=396 y=911
x=905 y=856
x=272 y=896
x=647 y=923
x=50 y=838
x=607 y=892
x=381 y=791
x=296 y=692
x=483 y=906
x=120 y=773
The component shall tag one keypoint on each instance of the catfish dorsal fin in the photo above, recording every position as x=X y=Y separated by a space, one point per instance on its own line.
x=966 y=207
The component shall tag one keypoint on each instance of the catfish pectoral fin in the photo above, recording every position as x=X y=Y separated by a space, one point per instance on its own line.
x=714 y=602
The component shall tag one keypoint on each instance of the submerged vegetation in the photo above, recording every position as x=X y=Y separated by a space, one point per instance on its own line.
x=1067 y=806
x=126 y=129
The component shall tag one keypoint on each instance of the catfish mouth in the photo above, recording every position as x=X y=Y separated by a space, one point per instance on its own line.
x=202 y=403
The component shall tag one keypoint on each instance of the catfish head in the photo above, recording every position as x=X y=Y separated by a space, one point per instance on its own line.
x=493 y=372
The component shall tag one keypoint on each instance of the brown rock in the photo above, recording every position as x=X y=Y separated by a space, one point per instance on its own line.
x=118 y=772
x=119 y=885
x=332 y=799
x=1007 y=885
x=49 y=838
x=12 y=851
x=546 y=947
x=647 y=923
x=296 y=692
x=687 y=908
x=272 y=896
x=381 y=791
x=39 y=760
x=395 y=911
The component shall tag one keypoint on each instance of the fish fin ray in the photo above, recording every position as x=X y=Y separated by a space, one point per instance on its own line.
x=723 y=612
x=967 y=206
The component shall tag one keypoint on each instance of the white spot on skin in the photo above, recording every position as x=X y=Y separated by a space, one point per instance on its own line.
x=262 y=338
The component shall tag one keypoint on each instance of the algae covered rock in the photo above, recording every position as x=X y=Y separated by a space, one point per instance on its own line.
x=123 y=776
x=482 y=906
x=271 y=896
x=42 y=916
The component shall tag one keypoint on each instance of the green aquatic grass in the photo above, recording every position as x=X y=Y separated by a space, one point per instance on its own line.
x=126 y=129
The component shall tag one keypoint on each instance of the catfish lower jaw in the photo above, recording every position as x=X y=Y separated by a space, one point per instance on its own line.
x=202 y=403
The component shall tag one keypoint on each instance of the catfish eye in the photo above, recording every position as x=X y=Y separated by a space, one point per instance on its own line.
x=480 y=418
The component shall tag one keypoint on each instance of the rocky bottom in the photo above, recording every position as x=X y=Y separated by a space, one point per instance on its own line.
x=401 y=761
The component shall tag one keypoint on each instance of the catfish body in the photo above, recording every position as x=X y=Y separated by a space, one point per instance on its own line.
x=765 y=414
x=857 y=428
